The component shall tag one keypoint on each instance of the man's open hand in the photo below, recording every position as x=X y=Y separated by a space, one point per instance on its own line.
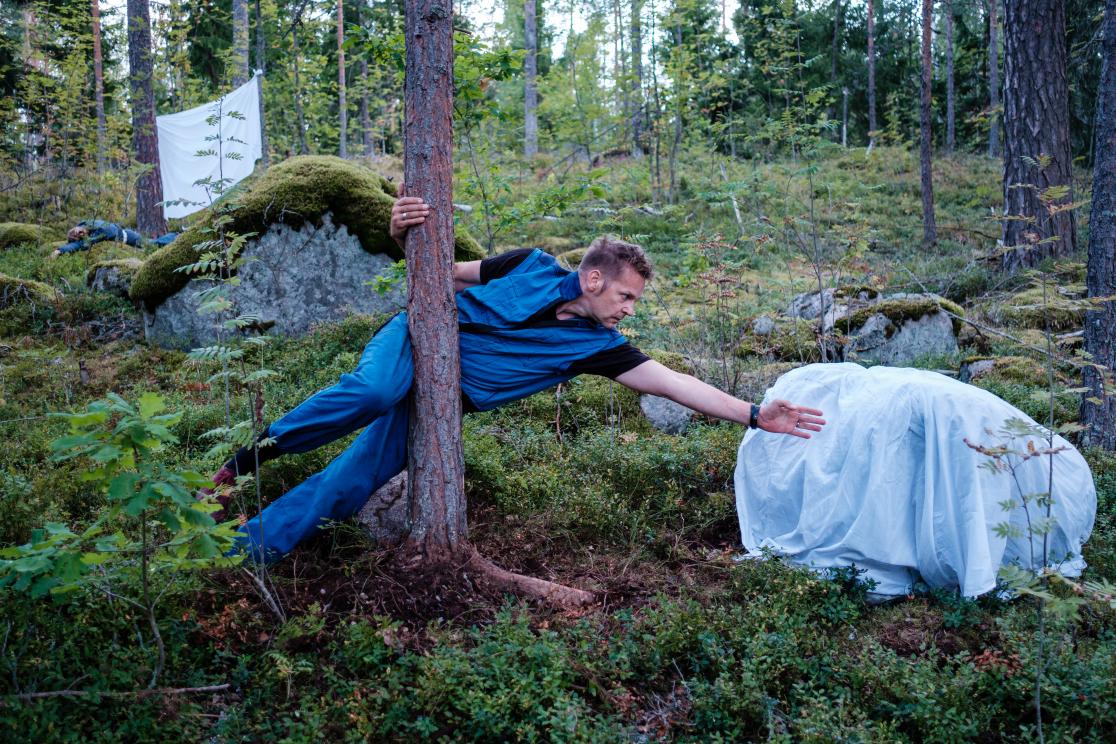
x=407 y=212
x=783 y=417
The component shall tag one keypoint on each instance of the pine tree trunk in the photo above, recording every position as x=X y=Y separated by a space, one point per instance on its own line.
x=261 y=59
x=993 y=79
x=145 y=137
x=676 y=142
x=240 y=43
x=530 y=89
x=436 y=462
x=365 y=113
x=1036 y=124
x=637 y=79
x=1100 y=324
x=99 y=87
x=929 y=227
x=342 y=106
x=950 y=136
x=872 y=125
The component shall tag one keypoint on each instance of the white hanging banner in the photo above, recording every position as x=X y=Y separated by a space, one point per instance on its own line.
x=235 y=118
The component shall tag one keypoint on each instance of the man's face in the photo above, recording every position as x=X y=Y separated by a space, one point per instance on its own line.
x=77 y=233
x=611 y=299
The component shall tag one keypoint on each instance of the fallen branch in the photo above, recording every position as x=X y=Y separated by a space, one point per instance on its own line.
x=28 y=696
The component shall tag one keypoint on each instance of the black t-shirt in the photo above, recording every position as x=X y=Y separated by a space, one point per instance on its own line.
x=610 y=363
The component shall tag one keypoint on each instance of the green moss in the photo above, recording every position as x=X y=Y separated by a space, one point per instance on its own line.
x=556 y=245
x=294 y=192
x=1064 y=307
x=19 y=291
x=19 y=233
x=793 y=340
x=900 y=310
x=571 y=259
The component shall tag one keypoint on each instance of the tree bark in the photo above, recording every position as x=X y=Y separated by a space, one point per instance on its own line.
x=872 y=124
x=145 y=137
x=261 y=65
x=1036 y=125
x=637 y=79
x=99 y=86
x=950 y=137
x=1100 y=278
x=993 y=79
x=240 y=43
x=342 y=106
x=929 y=227
x=530 y=89
x=676 y=142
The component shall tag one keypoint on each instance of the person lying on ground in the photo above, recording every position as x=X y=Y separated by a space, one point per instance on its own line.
x=88 y=233
x=526 y=325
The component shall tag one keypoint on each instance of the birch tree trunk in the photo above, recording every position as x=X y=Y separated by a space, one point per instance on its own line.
x=929 y=226
x=1036 y=126
x=145 y=137
x=1098 y=411
x=530 y=88
x=240 y=43
x=300 y=116
x=99 y=86
x=342 y=106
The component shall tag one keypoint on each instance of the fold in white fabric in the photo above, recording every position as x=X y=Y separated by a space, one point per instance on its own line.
x=890 y=485
x=183 y=135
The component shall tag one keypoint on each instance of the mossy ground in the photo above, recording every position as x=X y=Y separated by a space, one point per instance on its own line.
x=686 y=645
x=17 y=233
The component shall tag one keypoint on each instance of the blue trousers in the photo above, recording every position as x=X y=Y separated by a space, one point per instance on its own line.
x=373 y=396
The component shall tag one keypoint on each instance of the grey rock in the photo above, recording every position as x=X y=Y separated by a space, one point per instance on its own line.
x=113 y=279
x=664 y=414
x=971 y=370
x=811 y=305
x=386 y=516
x=763 y=326
x=880 y=341
x=294 y=278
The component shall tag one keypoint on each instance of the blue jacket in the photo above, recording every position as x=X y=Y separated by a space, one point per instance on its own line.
x=100 y=230
x=502 y=357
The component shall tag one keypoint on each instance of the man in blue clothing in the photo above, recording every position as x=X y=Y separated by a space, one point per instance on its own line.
x=525 y=325
x=88 y=233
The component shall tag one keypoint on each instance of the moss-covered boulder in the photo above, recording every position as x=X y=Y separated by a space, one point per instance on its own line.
x=1064 y=307
x=19 y=233
x=301 y=190
x=113 y=276
x=899 y=329
x=556 y=245
x=571 y=259
x=14 y=291
x=1016 y=370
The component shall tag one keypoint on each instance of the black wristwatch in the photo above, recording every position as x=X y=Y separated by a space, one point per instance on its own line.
x=753 y=420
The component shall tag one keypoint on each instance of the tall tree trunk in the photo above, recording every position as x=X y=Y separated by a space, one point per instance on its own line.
x=1036 y=125
x=950 y=139
x=436 y=463
x=99 y=86
x=834 y=51
x=637 y=79
x=240 y=43
x=342 y=106
x=365 y=113
x=1098 y=411
x=300 y=115
x=993 y=79
x=929 y=227
x=872 y=124
x=676 y=142
x=530 y=89
x=145 y=136
x=261 y=65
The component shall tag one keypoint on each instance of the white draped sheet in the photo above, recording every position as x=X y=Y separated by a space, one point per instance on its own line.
x=183 y=135
x=890 y=485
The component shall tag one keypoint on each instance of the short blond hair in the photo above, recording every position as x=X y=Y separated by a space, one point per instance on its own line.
x=609 y=255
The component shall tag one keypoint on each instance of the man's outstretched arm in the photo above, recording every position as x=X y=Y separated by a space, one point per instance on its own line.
x=778 y=416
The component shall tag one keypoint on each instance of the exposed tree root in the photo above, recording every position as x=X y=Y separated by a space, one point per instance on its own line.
x=556 y=595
